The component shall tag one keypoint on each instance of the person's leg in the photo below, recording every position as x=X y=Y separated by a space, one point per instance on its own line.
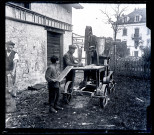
x=49 y=98
x=56 y=96
x=14 y=88
x=56 y=106
x=52 y=96
x=84 y=82
x=10 y=100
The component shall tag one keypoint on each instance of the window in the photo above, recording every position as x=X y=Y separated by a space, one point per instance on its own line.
x=125 y=42
x=136 y=53
x=136 y=32
x=124 y=32
x=137 y=18
x=125 y=19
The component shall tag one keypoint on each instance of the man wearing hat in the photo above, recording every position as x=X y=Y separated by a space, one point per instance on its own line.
x=11 y=58
x=69 y=60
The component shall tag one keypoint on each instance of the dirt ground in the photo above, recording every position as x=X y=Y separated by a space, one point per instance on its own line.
x=126 y=109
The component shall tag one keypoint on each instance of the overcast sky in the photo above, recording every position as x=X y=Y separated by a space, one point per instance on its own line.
x=91 y=15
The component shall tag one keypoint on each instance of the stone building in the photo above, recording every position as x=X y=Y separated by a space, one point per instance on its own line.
x=38 y=30
x=134 y=31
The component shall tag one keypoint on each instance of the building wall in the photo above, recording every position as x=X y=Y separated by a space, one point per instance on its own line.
x=55 y=11
x=58 y=12
x=31 y=45
x=67 y=41
x=130 y=31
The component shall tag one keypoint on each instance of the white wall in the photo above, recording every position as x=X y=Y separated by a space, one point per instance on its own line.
x=130 y=31
x=55 y=11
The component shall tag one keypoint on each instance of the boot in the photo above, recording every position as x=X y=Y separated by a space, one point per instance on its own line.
x=58 y=107
x=52 y=110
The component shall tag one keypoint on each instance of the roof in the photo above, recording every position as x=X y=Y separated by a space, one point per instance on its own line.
x=77 y=6
x=141 y=12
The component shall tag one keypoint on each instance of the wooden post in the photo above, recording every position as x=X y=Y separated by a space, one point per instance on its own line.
x=114 y=56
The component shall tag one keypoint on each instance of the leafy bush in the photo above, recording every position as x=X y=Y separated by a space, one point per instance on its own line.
x=146 y=54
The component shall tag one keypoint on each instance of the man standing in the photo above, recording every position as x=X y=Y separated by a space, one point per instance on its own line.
x=69 y=60
x=11 y=64
x=53 y=85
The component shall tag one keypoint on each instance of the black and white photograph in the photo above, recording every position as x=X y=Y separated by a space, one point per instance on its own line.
x=77 y=67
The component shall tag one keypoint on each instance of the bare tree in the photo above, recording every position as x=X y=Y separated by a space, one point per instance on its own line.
x=117 y=14
x=116 y=17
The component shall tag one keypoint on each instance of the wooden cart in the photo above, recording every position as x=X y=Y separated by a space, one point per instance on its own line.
x=100 y=81
x=99 y=84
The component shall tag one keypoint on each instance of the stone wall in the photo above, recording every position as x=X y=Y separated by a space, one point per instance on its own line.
x=31 y=45
x=31 y=42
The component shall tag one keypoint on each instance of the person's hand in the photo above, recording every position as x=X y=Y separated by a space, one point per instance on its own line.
x=54 y=80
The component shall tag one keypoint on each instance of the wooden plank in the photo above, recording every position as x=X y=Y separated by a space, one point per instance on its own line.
x=53 y=39
x=90 y=67
x=53 y=49
x=64 y=73
x=53 y=45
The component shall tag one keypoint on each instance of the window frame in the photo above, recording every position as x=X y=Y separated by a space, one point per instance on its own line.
x=124 y=32
x=135 y=52
x=137 y=18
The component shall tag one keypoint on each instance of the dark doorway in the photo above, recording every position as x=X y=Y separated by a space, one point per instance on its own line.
x=54 y=47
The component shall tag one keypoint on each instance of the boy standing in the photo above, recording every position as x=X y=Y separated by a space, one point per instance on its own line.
x=53 y=85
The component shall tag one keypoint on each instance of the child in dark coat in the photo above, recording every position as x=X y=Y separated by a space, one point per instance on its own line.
x=53 y=85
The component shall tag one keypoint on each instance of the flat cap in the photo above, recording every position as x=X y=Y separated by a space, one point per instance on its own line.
x=72 y=46
x=10 y=43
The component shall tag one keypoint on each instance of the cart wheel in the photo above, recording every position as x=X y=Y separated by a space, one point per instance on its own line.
x=104 y=100
x=104 y=89
x=113 y=83
x=109 y=88
x=67 y=96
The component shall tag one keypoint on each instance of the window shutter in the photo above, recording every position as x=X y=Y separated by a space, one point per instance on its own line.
x=140 y=17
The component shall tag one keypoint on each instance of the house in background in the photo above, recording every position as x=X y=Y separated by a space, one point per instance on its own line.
x=38 y=30
x=134 y=32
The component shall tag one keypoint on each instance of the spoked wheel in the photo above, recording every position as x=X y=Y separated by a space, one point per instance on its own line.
x=113 y=85
x=109 y=88
x=104 y=99
x=68 y=95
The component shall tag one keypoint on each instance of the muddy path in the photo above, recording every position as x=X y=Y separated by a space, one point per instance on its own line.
x=126 y=109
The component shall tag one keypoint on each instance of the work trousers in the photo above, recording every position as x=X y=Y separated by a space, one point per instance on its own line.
x=10 y=92
x=53 y=95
